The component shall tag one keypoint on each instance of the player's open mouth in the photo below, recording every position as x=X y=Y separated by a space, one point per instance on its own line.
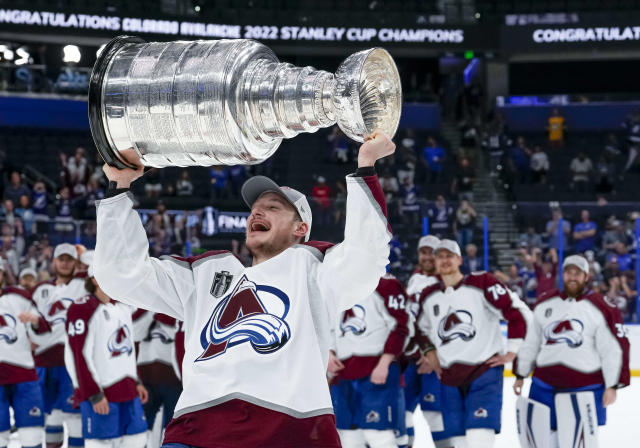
x=258 y=226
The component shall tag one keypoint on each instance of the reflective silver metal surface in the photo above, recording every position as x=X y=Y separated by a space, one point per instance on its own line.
x=231 y=101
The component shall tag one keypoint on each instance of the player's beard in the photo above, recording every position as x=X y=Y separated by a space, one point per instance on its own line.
x=575 y=291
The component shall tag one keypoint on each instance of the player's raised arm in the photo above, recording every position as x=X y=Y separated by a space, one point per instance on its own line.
x=122 y=264
x=351 y=270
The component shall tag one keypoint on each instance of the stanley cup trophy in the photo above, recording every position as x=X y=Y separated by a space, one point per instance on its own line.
x=228 y=102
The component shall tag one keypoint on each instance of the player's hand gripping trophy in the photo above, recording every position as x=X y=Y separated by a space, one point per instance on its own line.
x=228 y=102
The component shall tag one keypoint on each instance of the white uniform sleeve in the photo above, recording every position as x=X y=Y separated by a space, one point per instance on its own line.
x=610 y=354
x=125 y=271
x=528 y=352
x=352 y=269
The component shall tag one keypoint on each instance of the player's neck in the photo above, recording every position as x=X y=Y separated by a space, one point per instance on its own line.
x=63 y=279
x=452 y=279
x=102 y=297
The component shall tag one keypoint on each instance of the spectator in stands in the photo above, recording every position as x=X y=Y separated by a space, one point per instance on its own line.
x=530 y=239
x=340 y=202
x=516 y=282
x=389 y=186
x=406 y=160
x=409 y=205
x=153 y=183
x=615 y=296
x=612 y=146
x=581 y=167
x=605 y=174
x=621 y=258
x=556 y=128
x=632 y=126
x=184 y=186
x=219 y=185
x=338 y=146
x=584 y=233
x=471 y=262
x=78 y=169
x=519 y=158
x=7 y=213
x=546 y=269
x=495 y=142
x=539 y=165
x=10 y=254
x=95 y=192
x=237 y=176
x=434 y=156
x=26 y=214
x=440 y=216
x=64 y=175
x=64 y=216
x=463 y=181
x=552 y=229
x=16 y=188
x=614 y=234
x=321 y=194
x=40 y=201
x=465 y=223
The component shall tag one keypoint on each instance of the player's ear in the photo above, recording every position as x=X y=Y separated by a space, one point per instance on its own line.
x=301 y=229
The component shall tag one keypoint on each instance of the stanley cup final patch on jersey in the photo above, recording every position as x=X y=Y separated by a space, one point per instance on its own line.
x=251 y=313
x=221 y=282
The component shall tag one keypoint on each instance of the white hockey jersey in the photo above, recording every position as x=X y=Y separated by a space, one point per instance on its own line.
x=157 y=352
x=259 y=334
x=463 y=323
x=16 y=360
x=416 y=284
x=575 y=342
x=99 y=353
x=52 y=302
x=374 y=326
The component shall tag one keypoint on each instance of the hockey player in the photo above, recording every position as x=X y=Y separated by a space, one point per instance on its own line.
x=257 y=338
x=52 y=299
x=459 y=330
x=156 y=368
x=19 y=388
x=101 y=360
x=28 y=279
x=421 y=389
x=577 y=342
x=369 y=338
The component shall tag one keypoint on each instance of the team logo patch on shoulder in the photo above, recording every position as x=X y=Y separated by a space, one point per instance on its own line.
x=353 y=320
x=8 y=331
x=251 y=313
x=221 y=282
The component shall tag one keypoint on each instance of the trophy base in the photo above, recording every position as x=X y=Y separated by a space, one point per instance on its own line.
x=96 y=123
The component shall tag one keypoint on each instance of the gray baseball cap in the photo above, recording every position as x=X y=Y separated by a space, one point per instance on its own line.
x=578 y=261
x=449 y=245
x=256 y=186
x=65 y=249
x=428 y=241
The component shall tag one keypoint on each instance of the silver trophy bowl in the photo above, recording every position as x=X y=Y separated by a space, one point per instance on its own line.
x=228 y=102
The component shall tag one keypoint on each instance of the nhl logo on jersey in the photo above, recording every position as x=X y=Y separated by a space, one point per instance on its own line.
x=436 y=310
x=429 y=398
x=221 y=282
x=480 y=413
x=372 y=417
x=567 y=331
x=547 y=312
x=8 y=331
x=250 y=313
x=353 y=320
x=456 y=324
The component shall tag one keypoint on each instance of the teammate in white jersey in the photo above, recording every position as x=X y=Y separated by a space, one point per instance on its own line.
x=19 y=388
x=256 y=338
x=369 y=339
x=421 y=389
x=101 y=360
x=459 y=329
x=577 y=342
x=52 y=299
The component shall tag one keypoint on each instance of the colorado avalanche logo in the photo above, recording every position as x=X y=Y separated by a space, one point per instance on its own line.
x=57 y=312
x=243 y=317
x=354 y=320
x=456 y=324
x=567 y=330
x=159 y=333
x=8 y=331
x=120 y=342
